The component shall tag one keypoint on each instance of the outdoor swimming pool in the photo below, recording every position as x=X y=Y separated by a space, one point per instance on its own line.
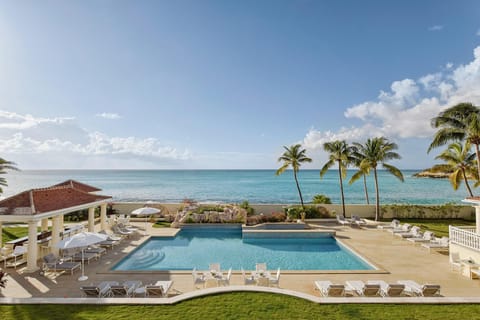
x=197 y=248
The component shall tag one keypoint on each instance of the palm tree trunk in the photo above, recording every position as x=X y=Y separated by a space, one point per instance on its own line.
x=365 y=188
x=341 y=188
x=466 y=183
x=377 y=202
x=298 y=188
x=477 y=153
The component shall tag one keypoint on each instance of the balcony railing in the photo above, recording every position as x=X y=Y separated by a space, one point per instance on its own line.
x=465 y=236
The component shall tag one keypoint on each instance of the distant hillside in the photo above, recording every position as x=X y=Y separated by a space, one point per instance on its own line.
x=428 y=174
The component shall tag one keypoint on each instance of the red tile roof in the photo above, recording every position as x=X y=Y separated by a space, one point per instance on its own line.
x=53 y=198
x=77 y=185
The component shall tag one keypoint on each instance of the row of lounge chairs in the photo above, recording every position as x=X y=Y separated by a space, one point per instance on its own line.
x=353 y=221
x=132 y=288
x=377 y=288
x=413 y=234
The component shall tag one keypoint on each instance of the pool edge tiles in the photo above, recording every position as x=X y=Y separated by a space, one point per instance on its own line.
x=262 y=234
x=229 y=234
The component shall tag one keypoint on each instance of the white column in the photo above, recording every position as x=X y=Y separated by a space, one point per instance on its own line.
x=32 y=253
x=91 y=219
x=477 y=218
x=103 y=216
x=44 y=226
x=55 y=233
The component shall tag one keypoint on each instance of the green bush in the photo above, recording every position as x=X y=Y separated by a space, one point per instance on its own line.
x=311 y=212
x=262 y=218
x=321 y=198
x=245 y=205
x=202 y=209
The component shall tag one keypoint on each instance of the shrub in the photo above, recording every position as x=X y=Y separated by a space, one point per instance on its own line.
x=311 y=212
x=245 y=205
x=262 y=218
x=202 y=209
x=321 y=198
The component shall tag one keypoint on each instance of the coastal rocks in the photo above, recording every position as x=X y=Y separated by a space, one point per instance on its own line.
x=429 y=174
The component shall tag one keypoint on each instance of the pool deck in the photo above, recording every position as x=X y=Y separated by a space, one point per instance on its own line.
x=397 y=259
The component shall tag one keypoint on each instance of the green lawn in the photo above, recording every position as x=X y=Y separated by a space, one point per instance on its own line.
x=12 y=233
x=242 y=305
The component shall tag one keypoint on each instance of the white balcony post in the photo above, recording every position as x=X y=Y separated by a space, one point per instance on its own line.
x=55 y=233
x=103 y=216
x=91 y=219
x=44 y=226
x=32 y=253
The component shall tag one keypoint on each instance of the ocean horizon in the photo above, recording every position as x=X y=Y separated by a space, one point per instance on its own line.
x=235 y=186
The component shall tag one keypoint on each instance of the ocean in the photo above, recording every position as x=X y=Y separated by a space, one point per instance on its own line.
x=234 y=186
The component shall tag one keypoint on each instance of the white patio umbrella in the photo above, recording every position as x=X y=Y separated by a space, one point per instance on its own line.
x=145 y=211
x=82 y=240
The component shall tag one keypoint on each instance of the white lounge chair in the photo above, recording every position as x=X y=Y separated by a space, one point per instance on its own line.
x=341 y=220
x=389 y=289
x=401 y=228
x=98 y=291
x=358 y=221
x=16 y=257
x=414 y=232
x=392 y=225
x=426 y=237
x=425 y=290
x=225 y=281
x=363 y=289
x=198 y=279
x=437 y=244
x=127 y=289
x=455 y=261
x=328 y=289
x=248 y=279
x=275 y=280
x=214 y=267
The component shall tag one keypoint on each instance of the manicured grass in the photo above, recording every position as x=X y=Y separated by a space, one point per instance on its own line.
x=438 y=226
x=242 y=305
x=12 y=233
x=161 y=224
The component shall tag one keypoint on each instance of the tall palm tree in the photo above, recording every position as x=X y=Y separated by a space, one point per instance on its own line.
x=460 y=162
x=293 y=157
x=5 y=165
x=378 y=151
x=362 y=172
x=458 y=123
x=340 y=154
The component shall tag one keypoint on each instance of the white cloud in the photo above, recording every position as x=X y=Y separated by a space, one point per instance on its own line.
x=107 y=115
x=435 y=28
x=406 y=109
x=27 y=137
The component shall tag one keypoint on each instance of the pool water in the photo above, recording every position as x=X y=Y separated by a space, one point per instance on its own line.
x=197 y=248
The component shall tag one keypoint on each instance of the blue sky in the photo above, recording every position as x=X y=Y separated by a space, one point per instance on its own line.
x=225 y=84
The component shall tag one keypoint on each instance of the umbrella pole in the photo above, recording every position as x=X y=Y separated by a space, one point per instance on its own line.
x=83 y=277
x=145 y=226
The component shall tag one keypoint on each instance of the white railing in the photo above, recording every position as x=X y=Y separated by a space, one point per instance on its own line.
x=465 y=236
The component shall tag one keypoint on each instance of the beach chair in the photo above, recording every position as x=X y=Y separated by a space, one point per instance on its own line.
x=389 y=289
x=99 y=291
x=126 y=289
x=85 y=256
x=414 y=232
x=392 y=225
x=363 y=289
x=225 y=281
x=439 y=244
x=214 y=267
x=425 y=290
x=197 y=278
x=358 y=221
x=261 y=267
x=97 y=250
x=341 y=220
x=426 y=237
x=248 y=279
x=401 y=228
x=328 y=289
x=274 y=280
x=50 y=262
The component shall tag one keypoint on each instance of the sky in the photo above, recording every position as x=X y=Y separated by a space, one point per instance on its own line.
x=198 y=84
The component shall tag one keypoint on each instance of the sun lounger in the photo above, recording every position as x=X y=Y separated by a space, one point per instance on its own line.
x=425 y=290
x=402 y=228
x=389 y=289
x=437 y=244
x=363 y=289
x=358 y=221
x=97 y=250
x=414 y=232
x=158 y=289
x=126 y=289
x=328 y=289
x=248 y=279
x=274 y=280
x=225 y=280
x=341 y=220
x=197 y=278
x=50 y=262
x=85 y=256
x=393 y=225
x=99 y=291
x=426 y=237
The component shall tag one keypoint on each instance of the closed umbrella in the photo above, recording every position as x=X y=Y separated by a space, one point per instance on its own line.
x=82 y=240
x=145 y=211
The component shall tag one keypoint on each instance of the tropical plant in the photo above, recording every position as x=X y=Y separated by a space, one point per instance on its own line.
x=458 y=123
x=460 y=163
x=340 y=154
x=321 y=198
x=362 y=172
x=5 y=165
x=293 y=156
x=378 y=151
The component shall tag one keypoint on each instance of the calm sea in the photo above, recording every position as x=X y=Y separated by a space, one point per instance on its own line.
x=232 y=186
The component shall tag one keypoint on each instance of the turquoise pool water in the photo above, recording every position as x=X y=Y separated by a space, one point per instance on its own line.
x=197 y=248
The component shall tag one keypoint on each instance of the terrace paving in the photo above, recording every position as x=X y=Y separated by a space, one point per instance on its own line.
x=396 y=259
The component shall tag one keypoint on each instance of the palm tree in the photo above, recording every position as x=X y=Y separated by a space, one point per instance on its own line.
x=293 y=157
x=5 y=165
x=340 y=153
x=362 y=172
x=378 y=151
x=460 y=162
x=458 y=123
